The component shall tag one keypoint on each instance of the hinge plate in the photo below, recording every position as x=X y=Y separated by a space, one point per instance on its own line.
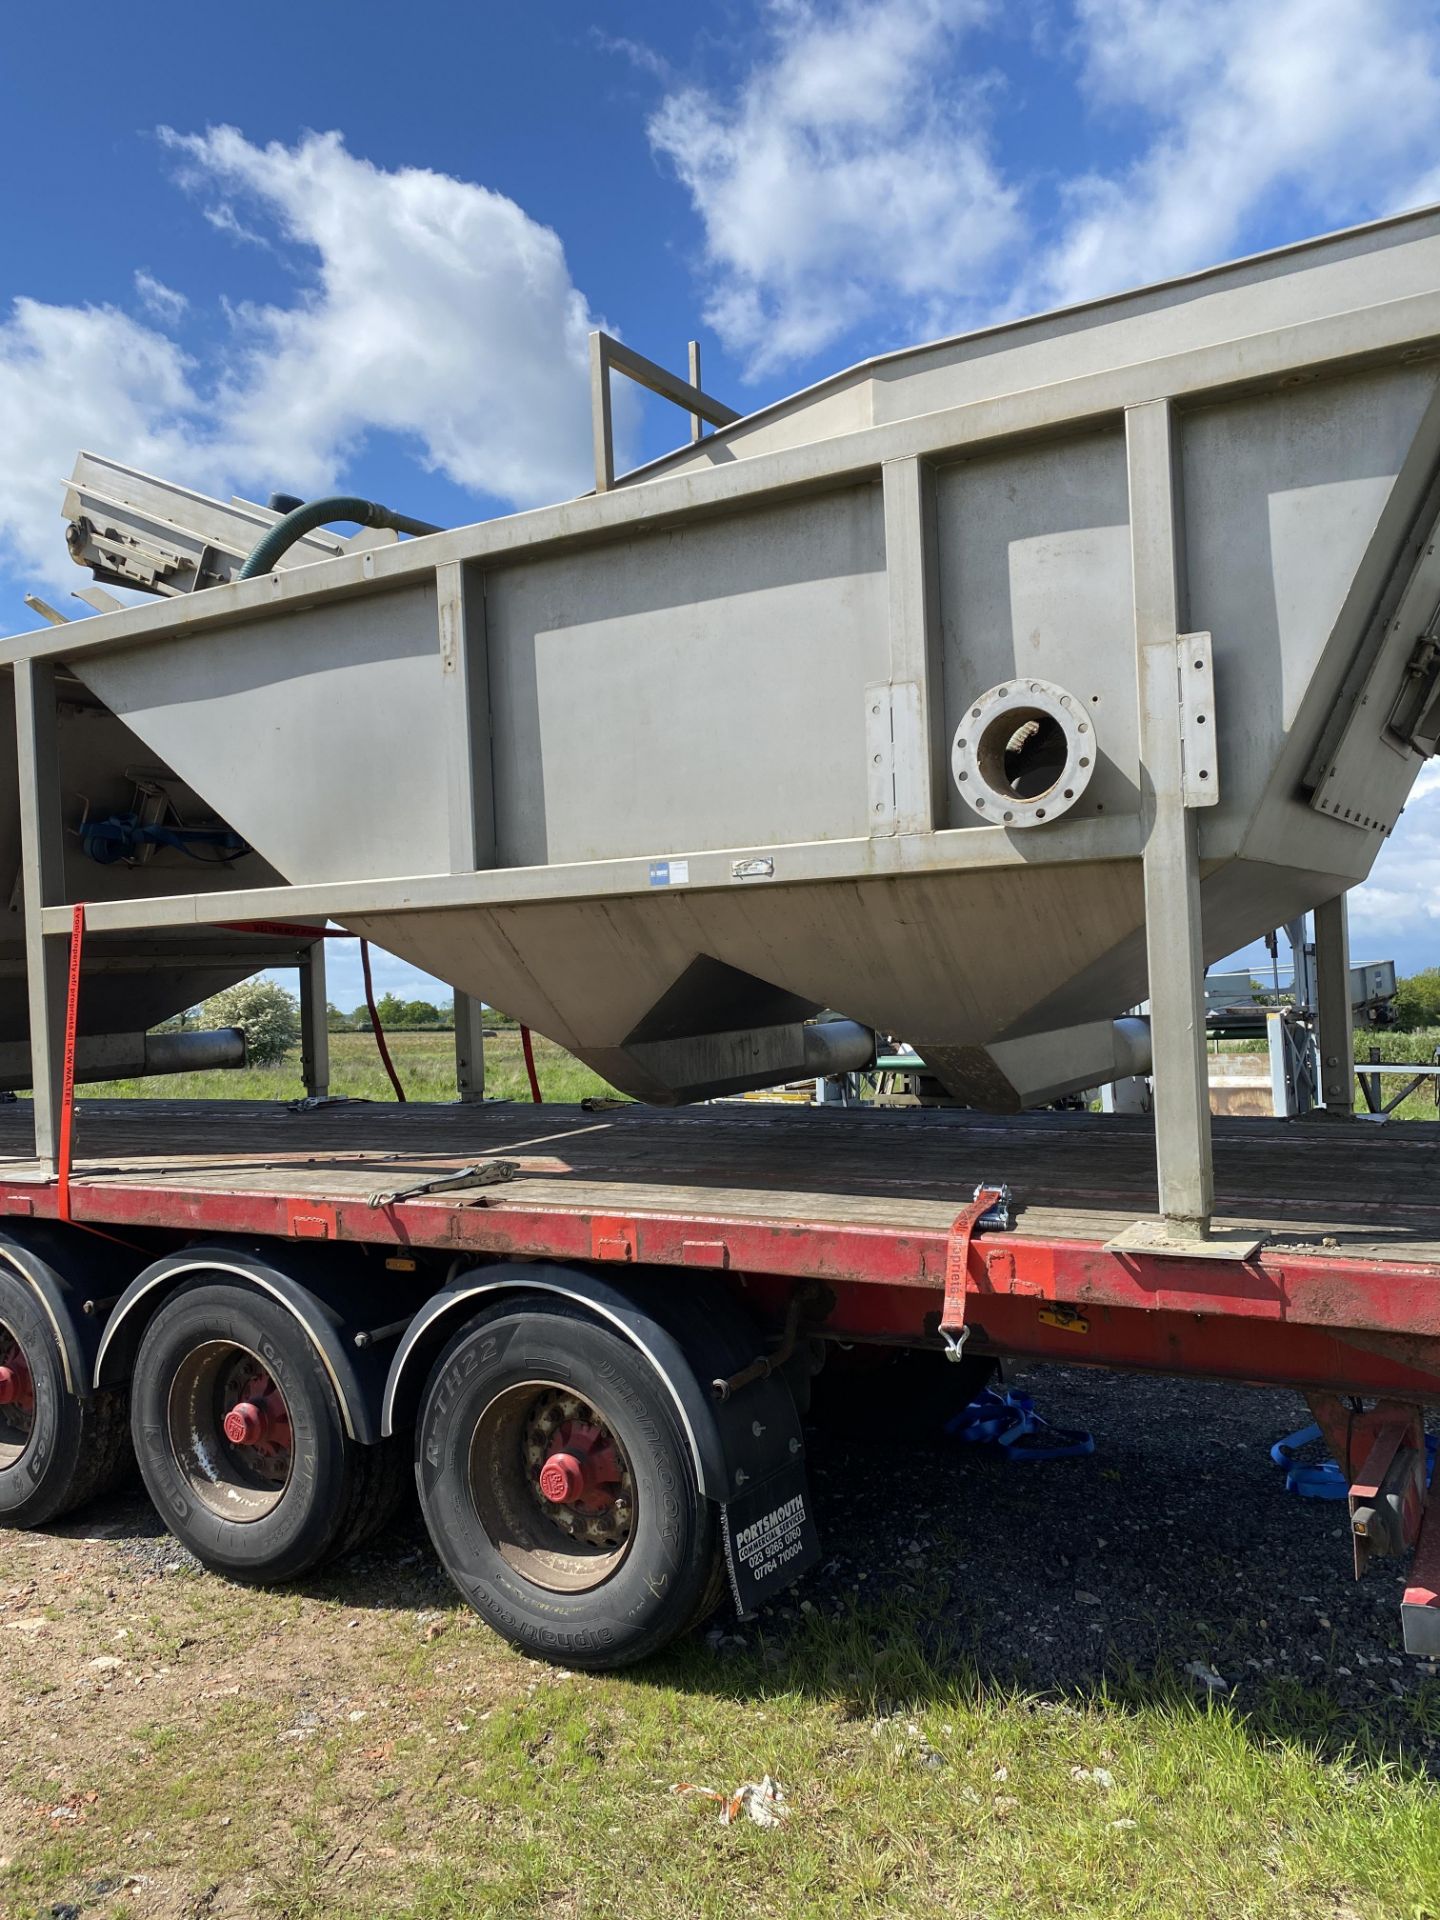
x=1199 y=767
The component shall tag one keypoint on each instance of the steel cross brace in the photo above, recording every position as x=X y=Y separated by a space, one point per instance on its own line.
x=989 y=1208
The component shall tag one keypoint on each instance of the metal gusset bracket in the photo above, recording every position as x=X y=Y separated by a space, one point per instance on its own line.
x=485 y=1173
x=989 y=1208
x=810 y=1297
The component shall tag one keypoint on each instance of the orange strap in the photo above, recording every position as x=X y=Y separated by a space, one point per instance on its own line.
x=375 y=1025
x=528 y=1050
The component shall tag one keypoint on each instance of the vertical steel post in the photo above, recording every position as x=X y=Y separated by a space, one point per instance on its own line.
x=470 y=785
x=1171 y=856
x=314 y=1024
x=42 y=866
x=601 y=421
x=1336 y=1028
x=465 y=716
x=905 y=718
x=470 y=1048
x=697 y=425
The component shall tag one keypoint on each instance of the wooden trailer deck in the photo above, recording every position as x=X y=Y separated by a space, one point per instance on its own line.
x=1343 y=1294
x=1338 y=1191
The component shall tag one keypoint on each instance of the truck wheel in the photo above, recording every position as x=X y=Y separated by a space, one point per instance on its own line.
x=57 y=1450
x=241 y=1443
x=559 y=1489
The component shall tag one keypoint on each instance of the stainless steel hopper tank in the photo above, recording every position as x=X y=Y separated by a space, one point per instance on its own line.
x=920 y=697
x=130 y=981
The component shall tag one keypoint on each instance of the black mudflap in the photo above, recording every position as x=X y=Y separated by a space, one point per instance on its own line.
x=770 y=1537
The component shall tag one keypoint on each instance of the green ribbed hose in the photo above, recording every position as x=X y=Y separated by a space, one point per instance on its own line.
x=319 y=513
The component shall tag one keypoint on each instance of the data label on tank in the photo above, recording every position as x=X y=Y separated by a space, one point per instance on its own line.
x=669 y=873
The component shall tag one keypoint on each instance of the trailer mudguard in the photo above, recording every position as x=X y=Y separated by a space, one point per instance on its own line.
x=64 y=1268
x=331 y=1299
x=748 y=1450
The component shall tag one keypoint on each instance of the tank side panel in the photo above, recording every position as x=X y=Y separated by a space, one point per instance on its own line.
x=1283 y=493
x=315 y=734
x=1154 y=324
x=701 y=687
x=1034 y=571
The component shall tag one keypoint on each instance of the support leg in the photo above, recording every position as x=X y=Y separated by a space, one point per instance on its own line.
x=43 y=869
x=1171 y=855
x=314 y=1024
x=1332 y=995
x=469 y=1047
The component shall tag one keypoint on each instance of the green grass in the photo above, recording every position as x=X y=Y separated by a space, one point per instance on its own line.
x=451 y=1777
x=424 y=1061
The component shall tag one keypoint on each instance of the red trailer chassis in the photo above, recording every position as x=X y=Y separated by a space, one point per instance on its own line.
x=856 y=1227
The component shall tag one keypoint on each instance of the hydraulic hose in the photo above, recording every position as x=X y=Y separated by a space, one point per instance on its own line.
x=319 y=513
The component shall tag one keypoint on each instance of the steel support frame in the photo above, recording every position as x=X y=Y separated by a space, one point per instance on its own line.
x=1171 y=857
x=42 y=864
x=905 y=715
x=1335 y=1031
x=608 y=354
x=314 y=1024
x=469 y=767
x=469 y=1048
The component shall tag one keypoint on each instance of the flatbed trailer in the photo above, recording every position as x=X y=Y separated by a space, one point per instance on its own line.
x=670 y=1280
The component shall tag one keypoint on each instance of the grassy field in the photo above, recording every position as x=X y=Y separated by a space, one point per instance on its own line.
x=362 y=1746
x=426 y=1065
x=424 y=1061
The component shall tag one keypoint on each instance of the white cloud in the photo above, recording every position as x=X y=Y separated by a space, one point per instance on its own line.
x=430 y=308
x=438 y=310
x=1400 y=903
x=163 y=302
x=1328 y=102
x=848 y=175
x=73 y=377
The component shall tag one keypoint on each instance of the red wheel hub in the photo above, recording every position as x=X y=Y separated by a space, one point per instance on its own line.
x=581 y=1469
x=16 y=1387
x=261 y=1419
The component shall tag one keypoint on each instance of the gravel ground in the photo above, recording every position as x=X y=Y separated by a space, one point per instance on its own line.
x=1174 y=1543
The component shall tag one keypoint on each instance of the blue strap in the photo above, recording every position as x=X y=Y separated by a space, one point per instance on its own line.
x=1323 y=1479
x=1009 y=1424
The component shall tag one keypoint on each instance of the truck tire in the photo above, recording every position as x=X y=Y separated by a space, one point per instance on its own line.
x=57 y=1449
x=560 y=1491
x=241 y=1443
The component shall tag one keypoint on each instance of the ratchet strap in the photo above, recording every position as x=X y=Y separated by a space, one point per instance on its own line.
x=989 y=1208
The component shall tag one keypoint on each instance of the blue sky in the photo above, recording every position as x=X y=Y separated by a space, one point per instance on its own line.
x=365 y=245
